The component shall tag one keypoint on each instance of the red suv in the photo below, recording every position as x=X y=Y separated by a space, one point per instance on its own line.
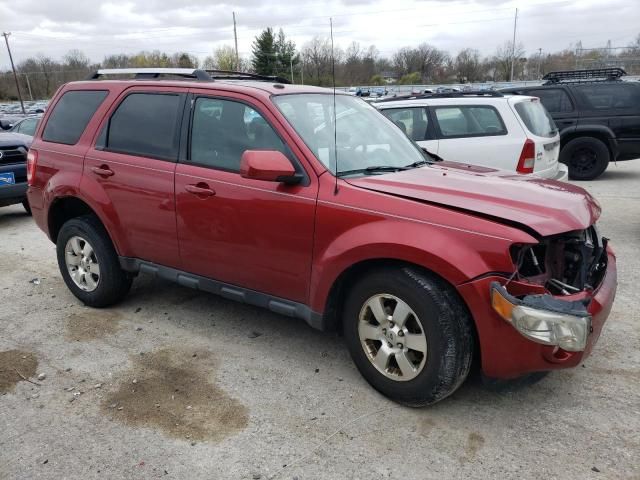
x=316 y=206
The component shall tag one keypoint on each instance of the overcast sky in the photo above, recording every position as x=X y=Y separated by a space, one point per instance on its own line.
x=99 y=27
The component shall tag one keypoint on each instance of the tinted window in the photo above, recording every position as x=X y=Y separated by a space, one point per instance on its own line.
x=553 y=99
x=223 y=130
x=412 y=121
x=536 y=118
x=71 y=115
x=145 y=124
x=610 y=95
x=471 y=121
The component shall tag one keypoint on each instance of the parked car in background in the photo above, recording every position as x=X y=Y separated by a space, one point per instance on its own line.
x=512 y=132
x=25 y=126
x=318 y=207
x=13 y=169
x=598 y=116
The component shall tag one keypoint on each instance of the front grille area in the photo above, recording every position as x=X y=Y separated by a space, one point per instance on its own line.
x=14 y=154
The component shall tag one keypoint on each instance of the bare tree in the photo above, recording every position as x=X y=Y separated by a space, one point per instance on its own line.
x=502 y=60
x=468 y=66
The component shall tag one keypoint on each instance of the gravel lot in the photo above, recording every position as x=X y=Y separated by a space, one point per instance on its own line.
x=178 y=384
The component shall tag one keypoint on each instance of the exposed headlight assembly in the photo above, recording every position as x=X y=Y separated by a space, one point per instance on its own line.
x=544 y=318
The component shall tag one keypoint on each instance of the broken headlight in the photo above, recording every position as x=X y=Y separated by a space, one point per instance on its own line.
x=544 y=319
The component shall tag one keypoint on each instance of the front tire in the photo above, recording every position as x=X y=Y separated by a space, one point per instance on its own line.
x=409 y=334
x=89 y=263
x=586 y=157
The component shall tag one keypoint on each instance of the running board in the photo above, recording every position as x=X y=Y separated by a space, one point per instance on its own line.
x=232 y=292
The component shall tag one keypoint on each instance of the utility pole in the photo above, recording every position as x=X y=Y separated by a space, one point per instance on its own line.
x=235 y=36
x=291 y=65
x=15 y=76
x=513 y=45
x=539 y=62
x=26 y=75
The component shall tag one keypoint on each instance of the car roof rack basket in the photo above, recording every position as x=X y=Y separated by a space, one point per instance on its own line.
x=152 y=73
x=470 y=93
x=583 y=76
x=233 y=75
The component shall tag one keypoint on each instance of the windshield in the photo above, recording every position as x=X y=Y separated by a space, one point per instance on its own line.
x=536 y=118
x=365 y=138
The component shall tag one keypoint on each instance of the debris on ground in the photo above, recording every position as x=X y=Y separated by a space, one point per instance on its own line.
x=254 y=334
x=16 y=366
x=35 y=281
x=42 y=376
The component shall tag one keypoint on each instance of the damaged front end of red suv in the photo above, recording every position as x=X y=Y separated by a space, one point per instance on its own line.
x=549 y=313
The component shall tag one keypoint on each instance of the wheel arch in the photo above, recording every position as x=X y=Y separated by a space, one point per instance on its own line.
x=604 y=134
x=65 y=208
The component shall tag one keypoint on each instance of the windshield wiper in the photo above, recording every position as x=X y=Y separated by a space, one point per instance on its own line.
x=373 y=169
x=419 y=163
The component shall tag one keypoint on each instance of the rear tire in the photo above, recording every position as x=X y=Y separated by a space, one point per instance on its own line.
x=27 y=207
x=586 y=157
x=89 y=263
x=394 y=365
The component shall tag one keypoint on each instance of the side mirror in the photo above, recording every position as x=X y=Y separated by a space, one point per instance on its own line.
x=4 y=125
x=268 y=165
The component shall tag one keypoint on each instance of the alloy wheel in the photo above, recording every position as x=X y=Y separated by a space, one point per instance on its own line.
x=82 y=263
x=392 y=337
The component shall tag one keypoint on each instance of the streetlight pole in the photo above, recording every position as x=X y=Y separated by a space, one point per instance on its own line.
x=15 y=76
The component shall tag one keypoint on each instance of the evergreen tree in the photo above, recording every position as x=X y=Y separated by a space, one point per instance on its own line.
x=286 y=56
x=264 y=53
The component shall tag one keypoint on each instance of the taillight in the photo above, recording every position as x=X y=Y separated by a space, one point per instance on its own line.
x=527 y=157
x=32 y=159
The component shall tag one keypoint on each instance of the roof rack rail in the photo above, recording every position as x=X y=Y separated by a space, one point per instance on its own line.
x=150 y=73
x=589 y=75
x=233 y=75
x=470 y=93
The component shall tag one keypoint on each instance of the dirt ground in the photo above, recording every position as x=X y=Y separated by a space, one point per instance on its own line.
x=173 y=383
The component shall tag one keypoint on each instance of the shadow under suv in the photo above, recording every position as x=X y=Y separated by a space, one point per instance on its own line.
x=235 y=184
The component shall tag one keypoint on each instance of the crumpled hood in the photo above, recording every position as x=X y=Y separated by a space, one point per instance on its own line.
x=546 y=206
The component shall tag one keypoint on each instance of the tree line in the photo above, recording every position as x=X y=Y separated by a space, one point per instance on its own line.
x=315 y=61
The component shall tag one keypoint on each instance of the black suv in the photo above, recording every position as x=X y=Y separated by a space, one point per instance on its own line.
x=598 y=116
x=13 y=169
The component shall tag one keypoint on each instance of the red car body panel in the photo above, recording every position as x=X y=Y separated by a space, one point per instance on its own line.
x=516 y=198
x=295 y=241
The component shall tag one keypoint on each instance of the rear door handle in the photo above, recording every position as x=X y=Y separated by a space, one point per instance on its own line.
x=200 y=189
x=102 y=170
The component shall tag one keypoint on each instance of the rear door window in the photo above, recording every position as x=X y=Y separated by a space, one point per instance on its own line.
x=469 y=121
x=144 y=124
x=413 y=121
x=607 y=96
x=71 y=114
x=555 y=100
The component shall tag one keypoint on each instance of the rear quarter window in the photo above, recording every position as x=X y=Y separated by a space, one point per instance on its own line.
x=608 y=96
x=71 y=114
x=536 y=118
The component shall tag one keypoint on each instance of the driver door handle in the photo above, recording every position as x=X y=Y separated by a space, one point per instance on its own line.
x=102 y=171
x=200 y=189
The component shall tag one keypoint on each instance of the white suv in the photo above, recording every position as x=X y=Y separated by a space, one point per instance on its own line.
x=508 y=132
